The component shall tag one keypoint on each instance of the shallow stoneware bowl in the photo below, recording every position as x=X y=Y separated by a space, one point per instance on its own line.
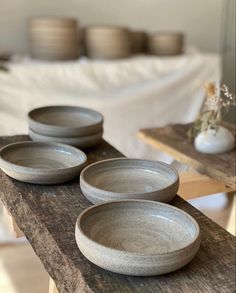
x=137 y=237
x=118 y=179
x=41 y=163
x=65 y=121
x=80 y=141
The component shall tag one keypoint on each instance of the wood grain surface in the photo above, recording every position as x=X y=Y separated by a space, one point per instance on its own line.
x=173 y=140
x=47 y=216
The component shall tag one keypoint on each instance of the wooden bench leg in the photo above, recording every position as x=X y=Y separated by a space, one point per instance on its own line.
x=11 y=223
x=193 y=185
x=231 y=227
x=52 y=287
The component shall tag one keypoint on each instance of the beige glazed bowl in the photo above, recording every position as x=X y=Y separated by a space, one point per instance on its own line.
x=53 y=38
x=140 y=238
x=122 y=178
x=166 y=43
x=107 y=42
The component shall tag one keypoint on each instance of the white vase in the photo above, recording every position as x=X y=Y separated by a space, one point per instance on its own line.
x=214 y=141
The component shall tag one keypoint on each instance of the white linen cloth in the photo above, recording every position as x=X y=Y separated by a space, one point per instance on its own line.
x=134 y=93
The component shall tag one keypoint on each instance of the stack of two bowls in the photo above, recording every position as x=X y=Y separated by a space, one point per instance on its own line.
x=76 y=126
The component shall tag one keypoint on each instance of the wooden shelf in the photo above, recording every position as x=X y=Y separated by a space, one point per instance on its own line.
x=173 y=141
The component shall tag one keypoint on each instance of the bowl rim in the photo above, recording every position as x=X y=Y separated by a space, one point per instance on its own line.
x=113 y=193
x=73 y=138
x=64 y=128
x=109 y=27
x=5 y=164
x=166 y=33
x=137 y=254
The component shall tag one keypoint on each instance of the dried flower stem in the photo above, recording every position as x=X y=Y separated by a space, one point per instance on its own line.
x=218 y=101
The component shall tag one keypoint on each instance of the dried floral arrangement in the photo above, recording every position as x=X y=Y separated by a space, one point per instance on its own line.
x=218 y=101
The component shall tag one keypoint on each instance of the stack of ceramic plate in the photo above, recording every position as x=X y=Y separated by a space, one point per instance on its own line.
x=53 y=38
x=107 y=42
x=166 y=43
x=80 y=127
x=138 y=42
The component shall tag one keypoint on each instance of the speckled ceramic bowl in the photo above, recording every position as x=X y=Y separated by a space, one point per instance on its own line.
x=80 y=141
x=65 y=121
x=118 y=179
x=41 y=163
x=140 y=238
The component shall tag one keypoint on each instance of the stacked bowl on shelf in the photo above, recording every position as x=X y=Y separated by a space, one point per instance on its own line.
x=76 y=126
x=53 y=38
x=139 y=39
x=166 y=43
x=107 y=42
x=59 y=39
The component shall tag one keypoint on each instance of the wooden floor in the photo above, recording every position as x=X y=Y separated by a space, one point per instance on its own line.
x=21 y=271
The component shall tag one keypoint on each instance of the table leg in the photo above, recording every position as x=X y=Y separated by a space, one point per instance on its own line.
x=52 y=287
x=193 y=185
x=231 y=227
x=11 y=223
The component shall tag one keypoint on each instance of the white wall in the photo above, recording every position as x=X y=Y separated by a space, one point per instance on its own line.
x=199 y=19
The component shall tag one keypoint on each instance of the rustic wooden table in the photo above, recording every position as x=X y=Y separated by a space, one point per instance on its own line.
x=47 y=216
x=173 y=140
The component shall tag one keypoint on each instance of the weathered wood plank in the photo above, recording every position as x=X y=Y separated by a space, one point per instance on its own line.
x=173 y=140
x=47 y=216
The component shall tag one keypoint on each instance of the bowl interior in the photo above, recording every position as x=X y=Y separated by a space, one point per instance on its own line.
x=66 y=116
x=144 y=228
x=42 y=156
x=130 y=176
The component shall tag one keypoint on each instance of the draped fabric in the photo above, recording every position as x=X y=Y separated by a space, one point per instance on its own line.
x=134 y=93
